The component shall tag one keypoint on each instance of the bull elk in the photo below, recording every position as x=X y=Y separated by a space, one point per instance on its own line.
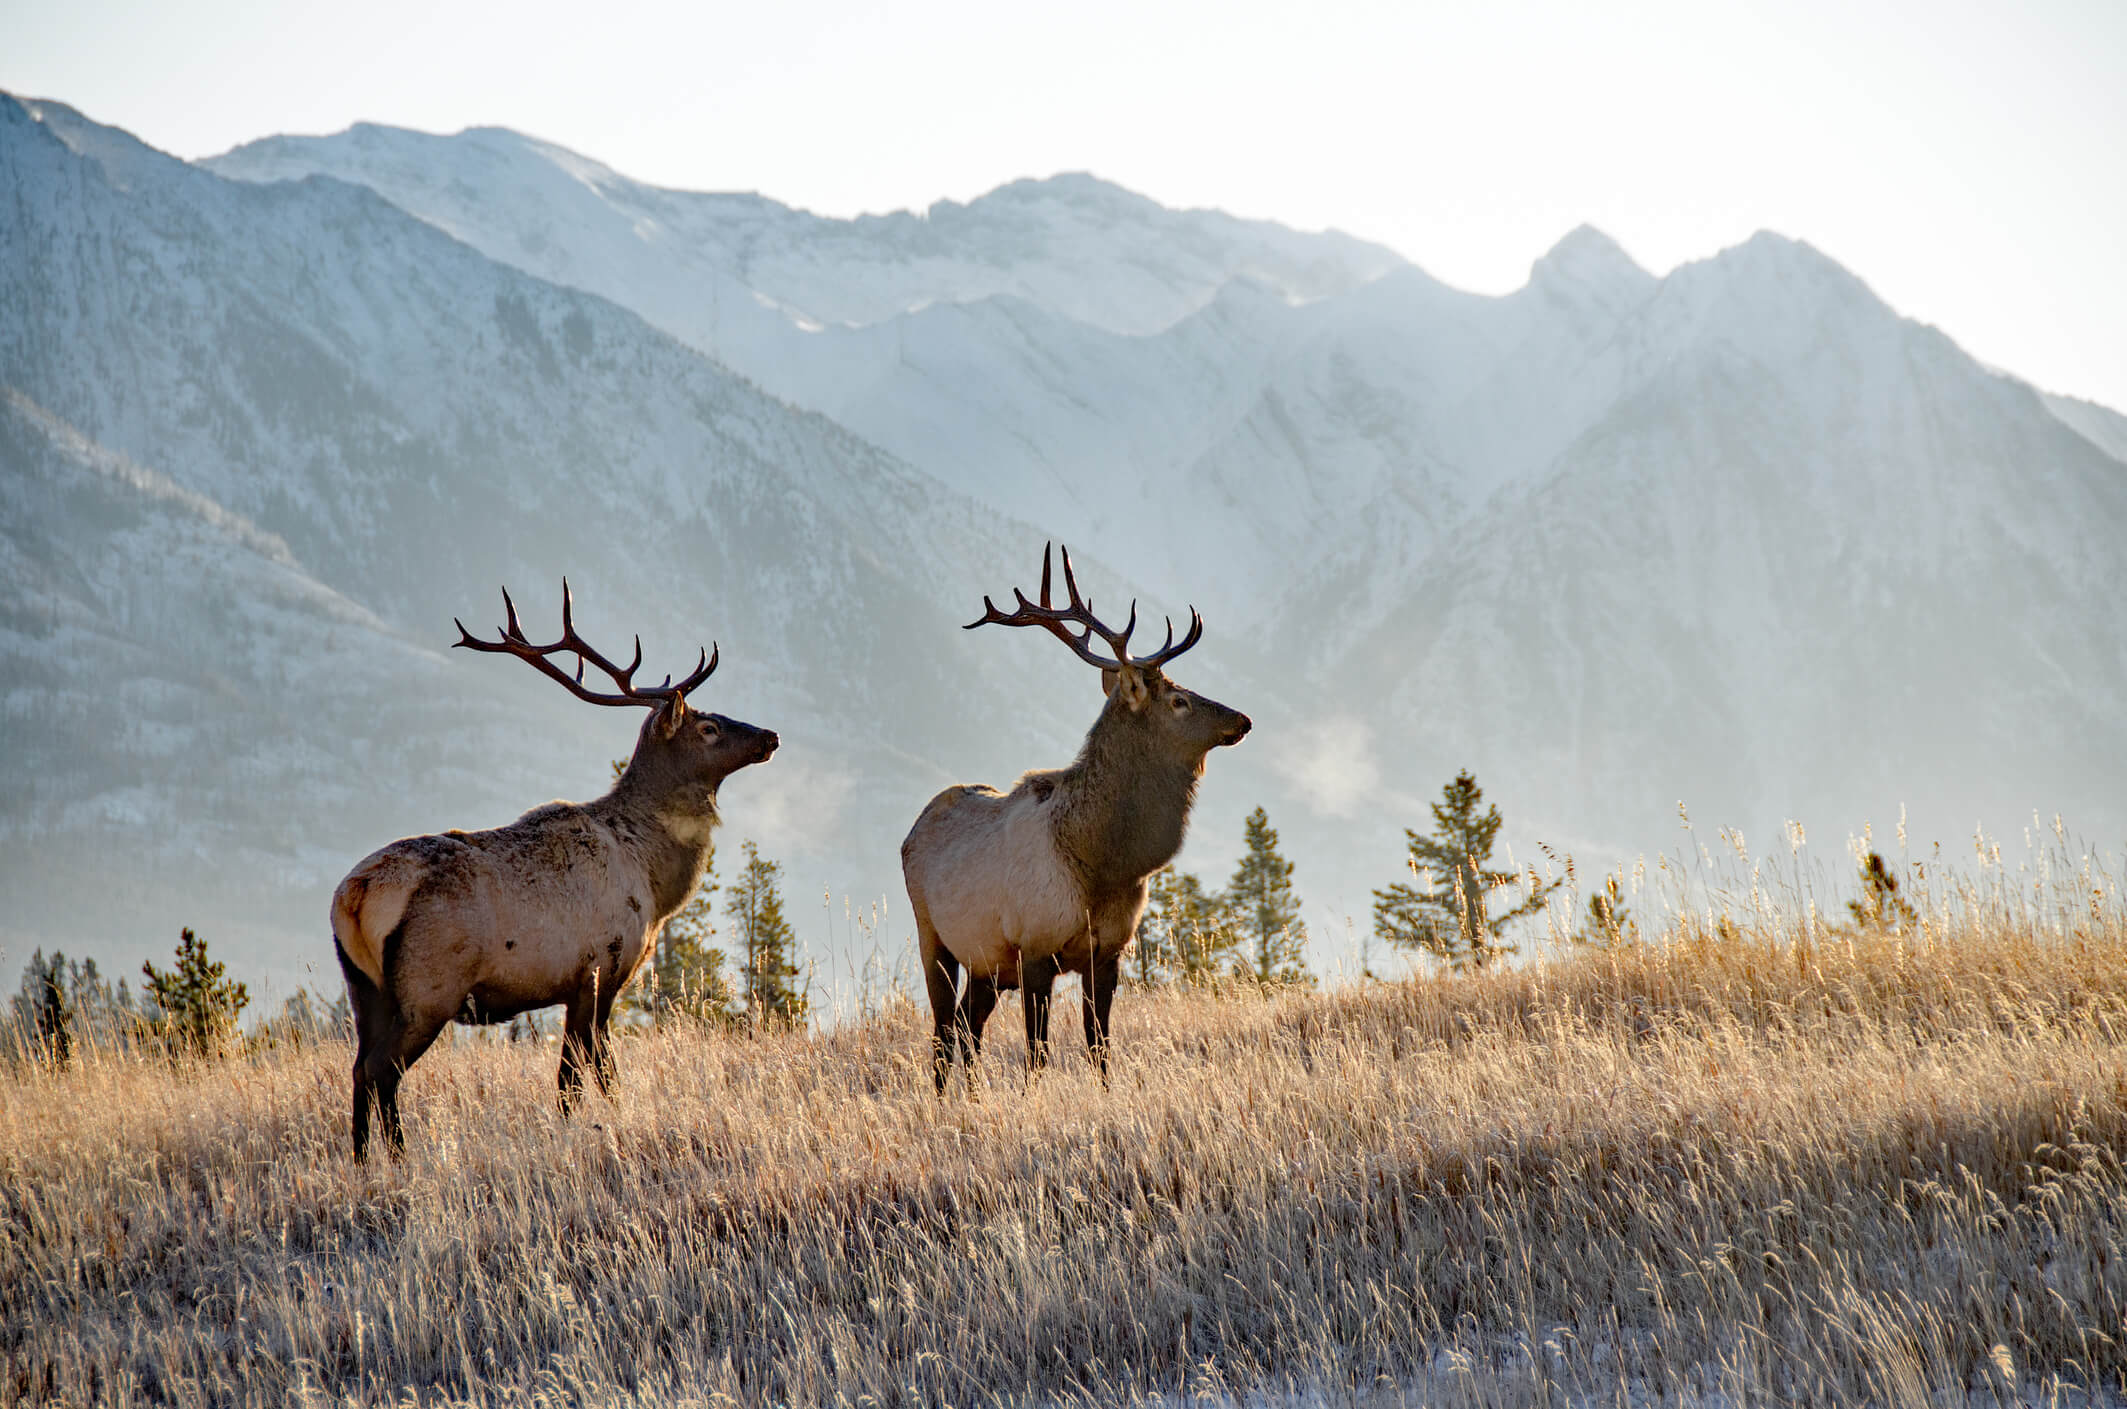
x=560 y=906
x=1049 y=878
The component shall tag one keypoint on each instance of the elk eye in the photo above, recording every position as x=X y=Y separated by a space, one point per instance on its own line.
x=1181 y=704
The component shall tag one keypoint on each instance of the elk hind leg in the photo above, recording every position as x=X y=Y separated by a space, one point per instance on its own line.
x=941 y=980
x=976 y=1007
x=380 y=1065
x=378 y=1025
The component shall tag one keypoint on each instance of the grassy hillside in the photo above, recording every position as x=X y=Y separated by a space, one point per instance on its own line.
x=1727 y=1167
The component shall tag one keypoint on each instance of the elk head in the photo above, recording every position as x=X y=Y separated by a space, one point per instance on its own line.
x=678 y=745
x=1141 y=699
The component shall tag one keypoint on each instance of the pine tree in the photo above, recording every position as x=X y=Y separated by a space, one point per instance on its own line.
x=686 y=978
x=64 y=1003
x=1184 y=934
x=1451 y=916
x=1608 y=924
x=196 y=1007
x=44 y=1009
x=305 y=1019
x=1265 y=908
x=766 y=940
x=1880 y=907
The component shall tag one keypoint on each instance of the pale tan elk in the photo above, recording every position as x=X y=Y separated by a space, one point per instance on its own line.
x=560 y=906
x=1049 y=878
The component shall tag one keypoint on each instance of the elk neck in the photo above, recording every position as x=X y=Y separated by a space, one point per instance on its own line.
x=674 y=826
x=1123 y=805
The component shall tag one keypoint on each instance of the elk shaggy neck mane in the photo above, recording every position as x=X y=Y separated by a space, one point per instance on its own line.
x=1123 y=803
x=677 y=826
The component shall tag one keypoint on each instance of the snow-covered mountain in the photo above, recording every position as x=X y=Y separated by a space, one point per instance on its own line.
x=1740 y=535
x=1078 y=246
x=1813 y=561
x=1006 y=345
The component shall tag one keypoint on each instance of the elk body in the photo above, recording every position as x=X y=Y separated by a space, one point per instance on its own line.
x=558 y=907
x=1049 y=878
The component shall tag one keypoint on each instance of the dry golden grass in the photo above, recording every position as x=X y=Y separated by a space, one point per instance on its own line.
x=1882 y=1170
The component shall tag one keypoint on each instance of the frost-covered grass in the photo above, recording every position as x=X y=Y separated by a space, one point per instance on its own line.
x=1771 y=1166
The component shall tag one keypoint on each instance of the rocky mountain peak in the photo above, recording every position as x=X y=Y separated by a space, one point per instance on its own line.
x=1586 y=266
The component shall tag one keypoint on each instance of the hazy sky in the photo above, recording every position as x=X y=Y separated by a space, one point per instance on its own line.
x=1968 y=160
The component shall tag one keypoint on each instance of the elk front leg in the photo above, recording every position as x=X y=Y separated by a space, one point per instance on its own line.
x=603 y=1069
x=1036 y=978
x=1112 y=929
x=1094 y=1003
x=577 y=1050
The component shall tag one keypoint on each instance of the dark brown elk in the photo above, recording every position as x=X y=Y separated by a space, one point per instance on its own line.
x=560 y=906
x=1049 y=878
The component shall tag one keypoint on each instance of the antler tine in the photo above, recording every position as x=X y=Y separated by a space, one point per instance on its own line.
x=1070 y=581
x=1168 y=652
x=514 y=632
x=703 y=669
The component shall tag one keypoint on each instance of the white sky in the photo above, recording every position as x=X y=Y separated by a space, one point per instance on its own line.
x=1969 y=160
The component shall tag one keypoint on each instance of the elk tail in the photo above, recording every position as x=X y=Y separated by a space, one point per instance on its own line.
x=366 y=908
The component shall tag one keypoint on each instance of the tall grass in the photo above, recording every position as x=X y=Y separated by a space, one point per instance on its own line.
x=1755 y=1160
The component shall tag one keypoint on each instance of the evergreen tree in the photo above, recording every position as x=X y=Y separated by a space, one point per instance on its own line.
x=1880 y=907
x=1265 y=908
x=1608 y=924
x=767 y=942
x=305 y=1019
x=196 y=1008
x=65 y=1003
x=1184 y=934
x=44 y=1009
x=686 y=978
x=1451 y=916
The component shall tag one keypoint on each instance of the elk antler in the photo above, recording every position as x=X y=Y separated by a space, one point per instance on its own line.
x=1058 y=621
x=513 y=643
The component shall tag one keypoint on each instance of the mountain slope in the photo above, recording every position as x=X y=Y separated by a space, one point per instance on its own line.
x=178 y=718
x=2101 y=426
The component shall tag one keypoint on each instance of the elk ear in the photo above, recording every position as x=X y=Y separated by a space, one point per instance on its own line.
x=671 y=717
x=1130 y=682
